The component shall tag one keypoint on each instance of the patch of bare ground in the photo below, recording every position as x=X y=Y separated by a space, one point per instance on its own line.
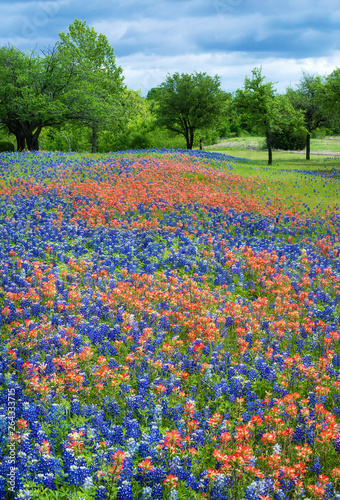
x=256 y=146
x=251 y=145
x=323 y=153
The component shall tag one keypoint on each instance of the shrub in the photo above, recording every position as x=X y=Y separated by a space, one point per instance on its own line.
x=289 y=139
x=321 y=133
x=6 y=146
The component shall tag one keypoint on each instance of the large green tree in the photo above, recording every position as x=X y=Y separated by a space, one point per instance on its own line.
x=189 y=102
x=29 y=93
x=264 y=109
x=98 y=94
x=308 y=97
x=75 y=81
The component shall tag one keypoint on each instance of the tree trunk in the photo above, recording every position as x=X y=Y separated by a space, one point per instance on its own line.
x=191 y=139
x=32 y=140
x=269 y=146
x=20 y=137
x=200 y=144
x=94 y=140
x=31 y=143
x=36 y=139
x=270 y=155
x=308 y=147
x=34 y=143
x=187 y=139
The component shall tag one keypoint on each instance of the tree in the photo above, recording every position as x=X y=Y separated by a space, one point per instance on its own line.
x=136 y=124
x=153 y=93
x=234 y=123
x=265 y=109
x=29 y=86
x=77 y=80
x=100 y=95
x=308 y=97
x=186 y=103
x=331 y=96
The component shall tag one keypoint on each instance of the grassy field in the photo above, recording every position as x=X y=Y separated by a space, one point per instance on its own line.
x=314 y=183
x=252 y=143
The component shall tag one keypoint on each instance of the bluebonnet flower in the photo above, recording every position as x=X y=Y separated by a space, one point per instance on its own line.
x=250 y=493
x=69 y=458
x=299 y=434
x=157 y=492
x=164 y=322
x=101 y=493
x=112 y=407
x=23 y=495
x=193 y=482
x=75 y=406
x=147 y=493
x=155 y=434
x=144 y=449
x=77 y=474
x=131 y=446
x=259 y=487
x=116 y=434
x=2 y=485
x=88 y=482
x=3 y=425
x=132 y=428
x=229 y=321
x=208 y=375
x=315 y=467
x=98 y=419
x=124 y=491
x=220 y=486
x=157 y=415
x=49 y=481
x=236 y=386
x=173 y=495
x=277 y=449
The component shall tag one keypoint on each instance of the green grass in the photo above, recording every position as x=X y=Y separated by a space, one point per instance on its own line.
x=289 y=177
x=326 y=144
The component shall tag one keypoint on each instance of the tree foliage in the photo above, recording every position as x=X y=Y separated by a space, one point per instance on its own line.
x=331 y=96
x=77 y=80
x=97 y=97
x=6 y=146
x=265 y=109
x=308 y=97
x=72 y=96
x=189 y=102
x=30 y=93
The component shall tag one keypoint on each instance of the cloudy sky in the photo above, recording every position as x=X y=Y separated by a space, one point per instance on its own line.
x=224 y=37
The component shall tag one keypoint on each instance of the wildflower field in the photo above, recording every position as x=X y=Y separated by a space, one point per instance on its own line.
x=169 y=330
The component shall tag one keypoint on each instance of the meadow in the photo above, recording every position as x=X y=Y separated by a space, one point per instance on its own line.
x=169 y=326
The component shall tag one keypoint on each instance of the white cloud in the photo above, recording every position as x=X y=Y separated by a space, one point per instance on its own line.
x=224 y=37
x=144 y=72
